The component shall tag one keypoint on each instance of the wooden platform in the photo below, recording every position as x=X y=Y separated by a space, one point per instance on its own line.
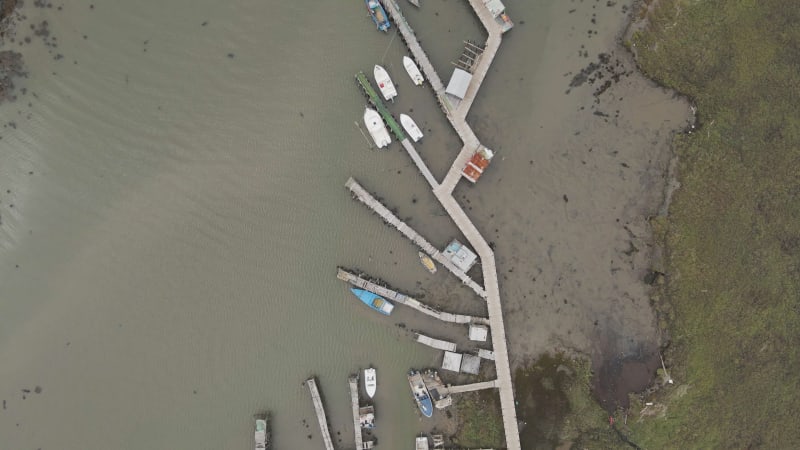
x=436 y=343
x=365 y=197
x=403 y=299
x=320 y=409
x=353 y=381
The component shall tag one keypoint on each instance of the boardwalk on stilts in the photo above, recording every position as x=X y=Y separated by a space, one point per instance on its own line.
x=320 y=410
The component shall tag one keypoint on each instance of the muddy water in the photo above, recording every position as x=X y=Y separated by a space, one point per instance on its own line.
x=173 y=212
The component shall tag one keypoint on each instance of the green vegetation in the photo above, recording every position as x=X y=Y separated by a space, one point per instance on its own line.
x=480 y=420
x=732 y=300
x=555 y=402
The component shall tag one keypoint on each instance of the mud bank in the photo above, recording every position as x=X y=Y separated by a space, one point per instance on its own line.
x=583 y=144
x=11 y=64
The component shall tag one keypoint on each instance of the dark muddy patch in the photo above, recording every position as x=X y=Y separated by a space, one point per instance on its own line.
x=621 y=368
x=543 y=404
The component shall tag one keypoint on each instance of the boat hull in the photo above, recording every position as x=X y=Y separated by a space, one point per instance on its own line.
x=376 y=128
x=411 y=127
x=370 y=382
x=420 y=392
x=427 y=262
x=374 y=301
x=413 y=71
x=378 y=14
x=384 y=83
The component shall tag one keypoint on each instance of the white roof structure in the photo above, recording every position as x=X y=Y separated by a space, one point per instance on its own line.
x=459 y=82
x=452 y=361
x=478 y=333
x=460 y=255
x=470 y=364
x=495 y=7
x=422 y=443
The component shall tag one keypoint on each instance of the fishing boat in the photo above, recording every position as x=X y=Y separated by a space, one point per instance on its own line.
x=261 y=434
x=421 y=395
x=427 y=262
x=384 y=83
x=411 y=127
x=378 y=14
x=413 y=71
x=370 y=381
x=373 y=301
x=376 y=128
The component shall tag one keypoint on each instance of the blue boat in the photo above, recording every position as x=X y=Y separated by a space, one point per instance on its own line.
x=421 y=395
x=373 y=301
x=378 y=14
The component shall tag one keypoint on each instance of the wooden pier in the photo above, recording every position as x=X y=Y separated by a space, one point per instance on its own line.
x=403 y=299
x=366 y=198
x=472 y=387
x=320 y=409
x=353 y=380
x=444 y=193
x=438 y=344
x=378 y=104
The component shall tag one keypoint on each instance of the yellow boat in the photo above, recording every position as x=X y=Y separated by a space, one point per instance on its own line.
x=427 y=262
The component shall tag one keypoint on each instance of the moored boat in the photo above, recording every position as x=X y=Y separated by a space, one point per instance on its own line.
x=261 y=433
x=385 y=84
x=374 y=301
x=413 y=71
x=370 y=381
x=378 y=14
x=414 y=2
x=376 y=127
x=421 y=395
x=411 y=127
x=427 y=262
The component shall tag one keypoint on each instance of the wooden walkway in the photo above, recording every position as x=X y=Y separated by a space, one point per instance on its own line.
x=472 y=387
x=353 y=380
x=403 y=299
x=443 y=192
x=365 y=197
x=438 y=344
x=323 y=420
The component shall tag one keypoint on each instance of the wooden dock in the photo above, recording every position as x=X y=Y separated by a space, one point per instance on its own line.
x=444 y=193
x=472 y=387
x=366 y=198
x=436 y=343
x=320 y=409
x=353 y=380
x=403 y=299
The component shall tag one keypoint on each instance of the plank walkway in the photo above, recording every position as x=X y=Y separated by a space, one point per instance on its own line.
x=444 y=193
x=365 y=197
x=378 y=104
x=353 y=381
x=471 y=387
x=403 y=299
x=438 y=344
x=320 y=409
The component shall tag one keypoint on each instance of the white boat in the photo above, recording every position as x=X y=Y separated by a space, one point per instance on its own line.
x=413 y=71
x=370 y=381
x=414 y=2
x=384 y=83
x=376 y=128
x=411 y=127
x=261 y=433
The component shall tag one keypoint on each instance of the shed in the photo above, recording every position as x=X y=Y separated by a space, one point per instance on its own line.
x=459 y=82
x=470 y=364
x=452 y=361
x=478 y=332
x=460 y=255
x=495 y=7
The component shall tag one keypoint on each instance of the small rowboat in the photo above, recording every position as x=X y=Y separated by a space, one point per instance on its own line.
x=427 y=262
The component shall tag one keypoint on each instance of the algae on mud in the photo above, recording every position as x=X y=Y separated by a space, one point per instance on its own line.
x=732 y=236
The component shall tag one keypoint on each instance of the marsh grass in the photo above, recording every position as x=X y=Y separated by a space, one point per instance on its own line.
x=733 y=231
